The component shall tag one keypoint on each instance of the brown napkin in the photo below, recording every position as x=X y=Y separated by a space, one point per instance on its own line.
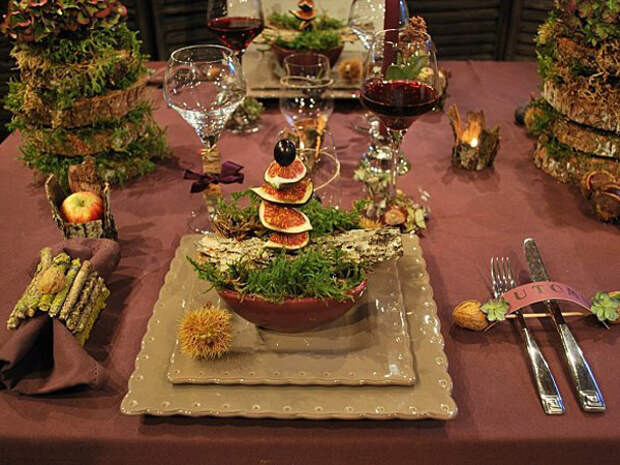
x=42 y=356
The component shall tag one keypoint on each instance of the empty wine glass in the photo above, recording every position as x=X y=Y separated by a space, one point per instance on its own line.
x=366 y=17
x=205 y=85
x=316 y=147
x=306 y=83
x=401 y=82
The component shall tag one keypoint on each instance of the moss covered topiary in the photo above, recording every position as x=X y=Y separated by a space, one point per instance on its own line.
x=81 y=89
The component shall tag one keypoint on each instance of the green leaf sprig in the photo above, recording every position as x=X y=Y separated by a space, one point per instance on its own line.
x=605 y=307
x=406 y=70
x=495 y=309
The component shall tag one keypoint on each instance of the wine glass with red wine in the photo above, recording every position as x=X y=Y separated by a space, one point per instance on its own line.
x=236 y=23
x=401 y=83
x=366 y=17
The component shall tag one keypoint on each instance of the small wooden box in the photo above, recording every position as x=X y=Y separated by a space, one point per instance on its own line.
x=104 y=227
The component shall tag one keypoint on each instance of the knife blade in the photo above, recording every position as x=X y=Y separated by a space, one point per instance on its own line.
x=588 y=392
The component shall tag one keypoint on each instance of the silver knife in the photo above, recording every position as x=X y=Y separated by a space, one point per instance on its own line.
x=588 y=392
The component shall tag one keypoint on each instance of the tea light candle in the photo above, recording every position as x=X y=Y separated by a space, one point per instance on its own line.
x=475 y=146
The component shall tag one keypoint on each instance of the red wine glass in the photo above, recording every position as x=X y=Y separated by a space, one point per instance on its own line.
x=235 y=22
x=401 y=82
x=366 y=17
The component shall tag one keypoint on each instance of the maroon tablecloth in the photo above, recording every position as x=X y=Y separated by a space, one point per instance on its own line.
x=474 y=216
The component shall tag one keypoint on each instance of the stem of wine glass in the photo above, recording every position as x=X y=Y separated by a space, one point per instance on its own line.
x=396 y=138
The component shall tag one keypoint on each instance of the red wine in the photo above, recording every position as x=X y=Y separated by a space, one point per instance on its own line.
x=236 y=32
x=398 y=103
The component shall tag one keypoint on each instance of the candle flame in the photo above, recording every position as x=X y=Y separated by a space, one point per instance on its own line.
x=474 y=142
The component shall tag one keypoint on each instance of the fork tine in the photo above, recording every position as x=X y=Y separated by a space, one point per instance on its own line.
x=500 y=273
x=504 y=277
x=511 y=280
x=494 y=278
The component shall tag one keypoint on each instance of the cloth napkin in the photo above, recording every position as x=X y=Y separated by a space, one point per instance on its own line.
x=42 y=356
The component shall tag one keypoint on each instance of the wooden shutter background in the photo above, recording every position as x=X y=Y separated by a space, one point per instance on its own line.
x=526 y=17
x=465 y=29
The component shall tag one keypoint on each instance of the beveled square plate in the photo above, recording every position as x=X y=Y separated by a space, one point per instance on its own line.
x=368 y=345
x=151 y=393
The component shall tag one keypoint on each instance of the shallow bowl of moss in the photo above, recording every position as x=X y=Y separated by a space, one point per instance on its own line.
x=293 y=315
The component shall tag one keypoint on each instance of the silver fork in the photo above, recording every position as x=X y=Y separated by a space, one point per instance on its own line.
x=550 y=397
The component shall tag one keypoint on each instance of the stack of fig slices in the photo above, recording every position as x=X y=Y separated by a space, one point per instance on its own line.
x=286 y=187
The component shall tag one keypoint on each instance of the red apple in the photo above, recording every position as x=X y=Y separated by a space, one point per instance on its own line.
x=81 y=207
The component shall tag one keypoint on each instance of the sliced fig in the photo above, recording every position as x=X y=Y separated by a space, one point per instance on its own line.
x=288 y=241
x=294 y=194
x=306 y=5
x=278 y=175
x=283 y=219
x=304 y=15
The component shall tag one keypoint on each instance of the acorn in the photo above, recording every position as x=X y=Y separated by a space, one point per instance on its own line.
x=205 y=333
x=284 y=152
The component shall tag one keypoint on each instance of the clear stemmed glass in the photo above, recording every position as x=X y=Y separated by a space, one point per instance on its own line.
x=401 y=82
x=305 y=85
x=237 y=23
x=366 y=17
x=205 y=85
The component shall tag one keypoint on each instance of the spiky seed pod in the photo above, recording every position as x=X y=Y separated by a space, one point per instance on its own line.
x=205 y=332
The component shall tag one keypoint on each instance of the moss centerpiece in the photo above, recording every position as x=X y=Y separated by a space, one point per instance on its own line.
x=81 y=90
x=303 y=30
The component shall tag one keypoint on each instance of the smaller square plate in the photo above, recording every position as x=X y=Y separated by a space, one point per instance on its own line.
x=369 y=345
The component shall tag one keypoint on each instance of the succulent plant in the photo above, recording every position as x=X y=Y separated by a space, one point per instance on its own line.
x=36 y=20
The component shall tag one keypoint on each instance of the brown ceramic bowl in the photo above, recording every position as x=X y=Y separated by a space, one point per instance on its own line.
x=332 y=54
x=291 y=315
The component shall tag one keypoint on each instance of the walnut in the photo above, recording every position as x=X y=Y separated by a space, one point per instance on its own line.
x=468 y=315
x=52 y=280
x=350 y=70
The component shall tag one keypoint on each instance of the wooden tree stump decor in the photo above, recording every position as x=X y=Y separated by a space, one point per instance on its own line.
x=475 y=146
x=81 y=177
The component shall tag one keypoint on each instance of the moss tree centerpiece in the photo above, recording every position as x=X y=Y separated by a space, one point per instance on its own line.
x=81 y=90
x=577 y=119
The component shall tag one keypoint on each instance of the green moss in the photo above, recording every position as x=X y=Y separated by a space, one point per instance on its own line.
x=108 y=59
x=288 y=21
x=115 y=166
x=326 y=220
x=312 y=273
x=68 y=50
x=312 y=40
x=14 y=99
x=542 y=118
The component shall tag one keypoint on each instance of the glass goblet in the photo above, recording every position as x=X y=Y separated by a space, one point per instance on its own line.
x=237 y=23
x=306 y=83
x=317 y=149
x=205 y=85
x=396 y=90
x=366 y=17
